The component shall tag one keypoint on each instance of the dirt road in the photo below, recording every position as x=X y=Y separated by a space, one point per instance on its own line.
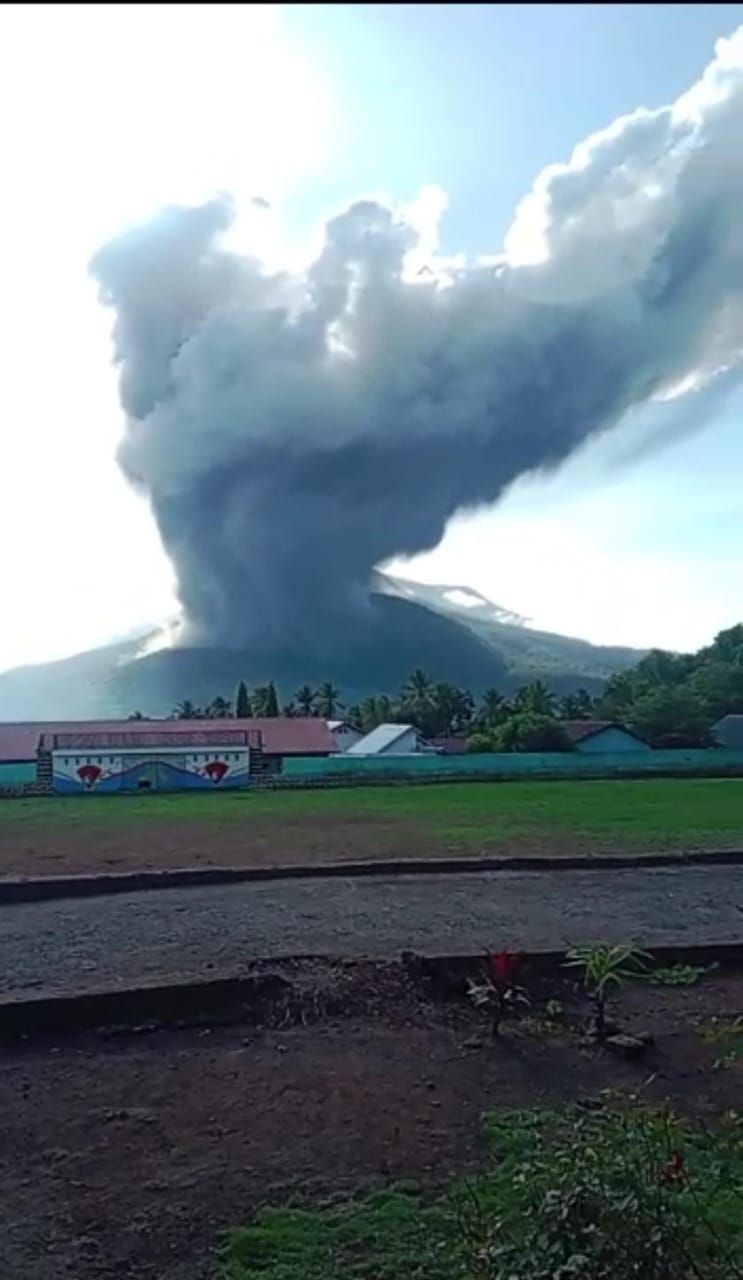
x=168 y=935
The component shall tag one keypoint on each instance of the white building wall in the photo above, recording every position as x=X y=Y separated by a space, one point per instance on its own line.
x=405 y=745
x=344 y=736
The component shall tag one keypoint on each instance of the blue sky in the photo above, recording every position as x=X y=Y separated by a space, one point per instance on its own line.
x=313 y=106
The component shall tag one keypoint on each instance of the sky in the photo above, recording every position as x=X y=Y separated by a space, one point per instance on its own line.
x=114 y=111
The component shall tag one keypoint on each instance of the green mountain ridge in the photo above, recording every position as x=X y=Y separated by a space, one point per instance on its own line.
x=476 y=645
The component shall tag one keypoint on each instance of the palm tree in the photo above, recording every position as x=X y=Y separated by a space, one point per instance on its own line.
x=576 y=706
x=535 y=698
x=494 y=709
x=449 y=711
x=354 y=716
x=328 y=701
x=219 y=709
x=369 y=716
x=386 y=709
x=186 y=710
x=136 y=715
x=418 y=687
x=305 y=700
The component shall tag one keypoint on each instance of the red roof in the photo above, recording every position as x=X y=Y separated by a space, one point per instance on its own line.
x=280 y=736
x=450 y=745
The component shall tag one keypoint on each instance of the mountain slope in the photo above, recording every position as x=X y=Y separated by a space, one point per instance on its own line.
x=472 y=644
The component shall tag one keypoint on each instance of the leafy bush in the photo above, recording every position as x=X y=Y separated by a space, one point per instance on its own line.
x=569 y=1195
x=679 y=975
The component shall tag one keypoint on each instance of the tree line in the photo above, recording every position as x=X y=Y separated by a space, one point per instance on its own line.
x=527 y=721
x=673 y=700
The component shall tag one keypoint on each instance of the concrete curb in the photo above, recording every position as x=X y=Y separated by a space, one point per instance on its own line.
x=229 y=1000
x=43 y=888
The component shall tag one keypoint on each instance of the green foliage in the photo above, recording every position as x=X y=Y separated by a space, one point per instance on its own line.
x=671 y=699
x=265 y=700
x=327 y=701
x=676 y=698
x=243 y=709
x=671 y=717
x=187 y=710
x=570 y=1194
x=679 y=975
x=576 y=706
x=529 y=731
x=393 y=1231
x=219 y=709
x=604 y=966
x=494 y=709
x=728 y=1036
x=305 y=700
x=535 y=699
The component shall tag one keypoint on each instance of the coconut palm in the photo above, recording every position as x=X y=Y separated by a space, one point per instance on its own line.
x=576 y=706
x=187 y=710
x=535 y=699
x=494 y=708
x=418 y=688
x=305 y=700
x=219 y=709
x=328 y=701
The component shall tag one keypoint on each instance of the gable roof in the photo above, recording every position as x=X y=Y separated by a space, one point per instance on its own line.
x=379 y=739
x=578 y=730
x=728 y=731
x=280 y=736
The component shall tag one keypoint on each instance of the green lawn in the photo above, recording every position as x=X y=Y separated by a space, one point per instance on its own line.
x=267 y=828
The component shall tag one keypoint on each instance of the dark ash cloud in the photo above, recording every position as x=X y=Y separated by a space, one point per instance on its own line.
x=293 y=431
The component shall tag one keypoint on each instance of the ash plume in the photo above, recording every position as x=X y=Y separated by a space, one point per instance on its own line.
x=295 y=430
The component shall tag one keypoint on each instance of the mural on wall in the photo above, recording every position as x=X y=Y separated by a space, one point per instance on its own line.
x=151 y=772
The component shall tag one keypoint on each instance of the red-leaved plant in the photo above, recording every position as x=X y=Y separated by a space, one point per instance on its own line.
x=498 y=992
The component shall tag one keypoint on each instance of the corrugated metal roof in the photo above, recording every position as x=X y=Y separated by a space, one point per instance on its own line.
x=282 y=736
x=380 y=739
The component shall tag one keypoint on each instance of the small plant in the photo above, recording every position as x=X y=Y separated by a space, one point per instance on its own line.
x=603 y=967
x=729 y=1037
x=497 y=992
x=679 y=975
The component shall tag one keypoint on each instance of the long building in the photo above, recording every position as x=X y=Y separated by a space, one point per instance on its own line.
x=154 y=755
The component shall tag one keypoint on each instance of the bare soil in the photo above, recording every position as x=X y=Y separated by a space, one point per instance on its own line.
x=125 y=1155
x=146 y=846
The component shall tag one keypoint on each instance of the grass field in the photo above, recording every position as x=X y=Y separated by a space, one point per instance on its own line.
x=47 y=836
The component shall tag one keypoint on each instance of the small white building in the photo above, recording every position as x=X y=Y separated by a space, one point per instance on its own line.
x=344 y=735
x=389 y=740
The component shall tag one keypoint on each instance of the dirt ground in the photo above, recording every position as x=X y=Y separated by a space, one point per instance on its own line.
x=125 y=1155
x=265 y=843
